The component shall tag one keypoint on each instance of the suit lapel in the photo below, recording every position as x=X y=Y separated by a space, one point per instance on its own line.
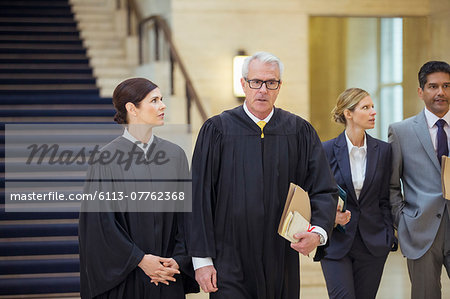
x=341 y=154
x=371 y=164
x=423 y=134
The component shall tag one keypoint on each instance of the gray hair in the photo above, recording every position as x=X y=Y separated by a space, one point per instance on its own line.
x=264 y=57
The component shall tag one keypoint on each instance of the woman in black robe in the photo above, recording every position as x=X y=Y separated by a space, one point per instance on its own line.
x=124 y=253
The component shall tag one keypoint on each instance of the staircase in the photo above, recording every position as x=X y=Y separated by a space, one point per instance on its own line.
x=112 y=51
x=45 y=78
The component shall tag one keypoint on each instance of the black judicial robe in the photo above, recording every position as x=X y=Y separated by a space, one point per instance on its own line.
x=113 y=243
x=240 y=183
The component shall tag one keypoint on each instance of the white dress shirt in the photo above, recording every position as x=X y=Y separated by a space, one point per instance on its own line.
x=130 y=137
x=432 y=128
x=358 y=160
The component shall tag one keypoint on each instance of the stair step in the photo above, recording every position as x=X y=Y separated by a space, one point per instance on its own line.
x=45 y=72
x=96 y=26
x=103 y=43
x=92 y=9
x=38 y=29
x=92 y=18
x=39 y=257
x=90 y=2
x=98 y=34
x=57 y=107
x=29 y=230
x=28 y=3
x=41 y=46
x=37 y=216
x=118 y=53
x=39 y=266
x=107 y=62
x=22 y=62
x=37 y=248
x=35 y=10
x=31 y=81
x=44 y=56
x=37 y=19
x=45 y=76
x=80 y=92
x=87 y=139
x=57 y=113
x=73 y=119
x=34 y=14
x=37 y=137
x=51 y=99
x=46 y=66
x=43 y=285
x=54 y=33
x=69 y=178
x=34 y=222
x=108 y=71
x=19 y=152
x=37 y=38
x=35 y=51
x=21 y=88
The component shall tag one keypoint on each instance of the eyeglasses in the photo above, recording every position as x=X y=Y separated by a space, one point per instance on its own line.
x=257 y=84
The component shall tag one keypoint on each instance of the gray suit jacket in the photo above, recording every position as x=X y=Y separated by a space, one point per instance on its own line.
x=418 y=210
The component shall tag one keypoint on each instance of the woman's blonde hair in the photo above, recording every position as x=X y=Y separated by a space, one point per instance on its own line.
x=347 y=100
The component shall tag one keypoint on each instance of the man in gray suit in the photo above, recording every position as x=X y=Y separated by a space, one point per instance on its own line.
x=421 y=214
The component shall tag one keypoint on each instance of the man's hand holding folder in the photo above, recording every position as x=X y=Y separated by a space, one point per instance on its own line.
x=295 y=222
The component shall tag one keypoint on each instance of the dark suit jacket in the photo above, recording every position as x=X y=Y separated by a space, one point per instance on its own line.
x=371 y=213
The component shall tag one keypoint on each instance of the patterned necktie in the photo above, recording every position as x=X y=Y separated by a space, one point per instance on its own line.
x=261 y=124
x=442 y=143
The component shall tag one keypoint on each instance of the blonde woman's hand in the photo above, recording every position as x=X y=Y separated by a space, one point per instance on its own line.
x=343 y=218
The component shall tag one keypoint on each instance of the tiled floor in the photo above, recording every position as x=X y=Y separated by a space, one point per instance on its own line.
x=394 y=284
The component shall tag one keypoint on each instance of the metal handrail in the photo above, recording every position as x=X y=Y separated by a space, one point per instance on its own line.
x=160 y=24
x=175 y=57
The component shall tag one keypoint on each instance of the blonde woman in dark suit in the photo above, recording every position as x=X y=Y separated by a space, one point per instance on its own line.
x=361 y=165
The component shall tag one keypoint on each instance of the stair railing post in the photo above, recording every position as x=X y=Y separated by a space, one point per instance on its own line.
x=172 y=73
x=188 y=104
x=156 y=29
x=141 y=42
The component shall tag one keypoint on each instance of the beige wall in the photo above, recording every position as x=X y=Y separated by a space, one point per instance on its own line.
x=426 y=38
x=416 y=48
x=440 y=29
x=326 y=71
x=208 y=34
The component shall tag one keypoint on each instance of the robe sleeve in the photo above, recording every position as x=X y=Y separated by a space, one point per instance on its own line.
x=107 y=253
x=318 y=182
x=180 y=252
x=205 y=163
x=183 y=260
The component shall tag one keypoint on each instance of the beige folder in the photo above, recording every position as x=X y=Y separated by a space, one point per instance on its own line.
x=297 y=206
x=445 y=177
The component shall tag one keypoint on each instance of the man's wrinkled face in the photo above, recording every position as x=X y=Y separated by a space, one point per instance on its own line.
x=260 y=101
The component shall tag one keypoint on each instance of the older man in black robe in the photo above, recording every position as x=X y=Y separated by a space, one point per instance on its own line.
x=243 y=162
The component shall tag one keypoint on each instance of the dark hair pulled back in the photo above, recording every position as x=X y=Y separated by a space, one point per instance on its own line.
x=132 y=90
